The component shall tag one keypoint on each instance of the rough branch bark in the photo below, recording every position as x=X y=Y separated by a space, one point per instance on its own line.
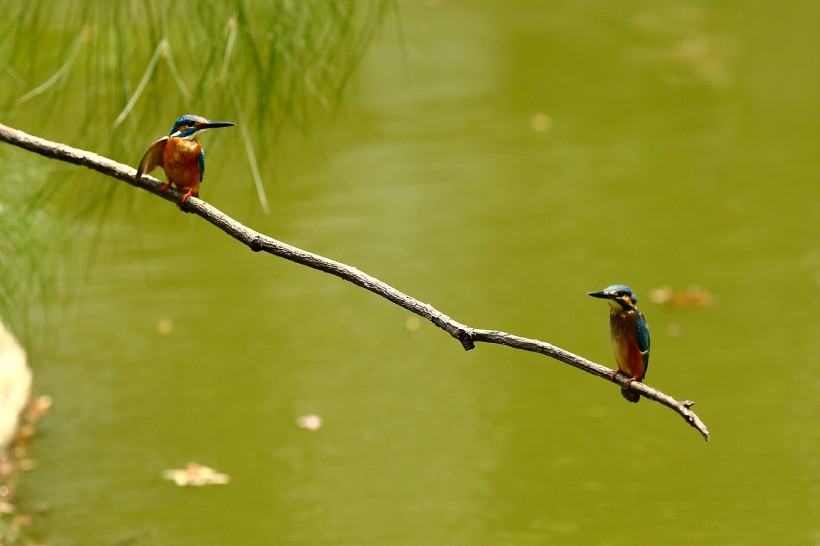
x=259 y=242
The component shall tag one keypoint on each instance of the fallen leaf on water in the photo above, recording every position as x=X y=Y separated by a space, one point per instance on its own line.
x=674 y=330
x=165 y=326
x=412 y=323
x=195 y=475
x=309 y=422
x=541 y=122
x=694 y=296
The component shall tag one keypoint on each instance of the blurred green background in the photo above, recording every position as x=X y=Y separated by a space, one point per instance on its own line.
x=497 y=160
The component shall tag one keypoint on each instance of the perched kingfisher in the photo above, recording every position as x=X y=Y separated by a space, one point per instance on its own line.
x=629 y=333
x=180 y=154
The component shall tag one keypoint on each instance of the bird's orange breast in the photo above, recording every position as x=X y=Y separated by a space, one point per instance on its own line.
x=625 y=344
x=181 y=162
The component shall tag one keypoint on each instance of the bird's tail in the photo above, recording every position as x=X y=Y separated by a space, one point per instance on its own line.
x=630 y=395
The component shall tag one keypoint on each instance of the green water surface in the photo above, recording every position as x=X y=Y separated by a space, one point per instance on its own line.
x=497 y=160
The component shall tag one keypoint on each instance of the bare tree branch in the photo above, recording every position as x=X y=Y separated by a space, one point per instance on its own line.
x=257 y=242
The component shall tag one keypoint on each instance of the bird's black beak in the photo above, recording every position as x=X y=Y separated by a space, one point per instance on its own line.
x=602 y=295
x=215 y=124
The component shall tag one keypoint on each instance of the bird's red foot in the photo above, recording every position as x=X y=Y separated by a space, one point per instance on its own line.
x=165 y=187
x=630 y=381
x=188 y=194
x=614 y=374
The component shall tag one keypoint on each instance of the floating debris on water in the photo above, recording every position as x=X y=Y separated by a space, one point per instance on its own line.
x=694 y=296
x=195 y=475
x=309 y=422
x=540 y=122
x=412 y=323
x=674 y=330
x=165 y=326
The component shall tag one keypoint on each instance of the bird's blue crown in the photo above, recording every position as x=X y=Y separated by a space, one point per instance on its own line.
x=623 y=288
x=188 y=123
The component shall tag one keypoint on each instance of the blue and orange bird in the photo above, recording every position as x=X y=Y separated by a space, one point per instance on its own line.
x=180 y=154
x=629 y=333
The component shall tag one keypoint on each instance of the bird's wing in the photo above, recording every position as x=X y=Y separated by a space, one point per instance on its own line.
x=152 y=158
x=642 y=331
x=201 y=160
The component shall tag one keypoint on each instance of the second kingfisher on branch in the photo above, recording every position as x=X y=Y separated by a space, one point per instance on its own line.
x=629 y=333
x=180 y=154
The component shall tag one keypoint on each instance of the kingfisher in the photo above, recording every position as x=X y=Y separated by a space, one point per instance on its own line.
x=180 y=154
x=630 y=335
